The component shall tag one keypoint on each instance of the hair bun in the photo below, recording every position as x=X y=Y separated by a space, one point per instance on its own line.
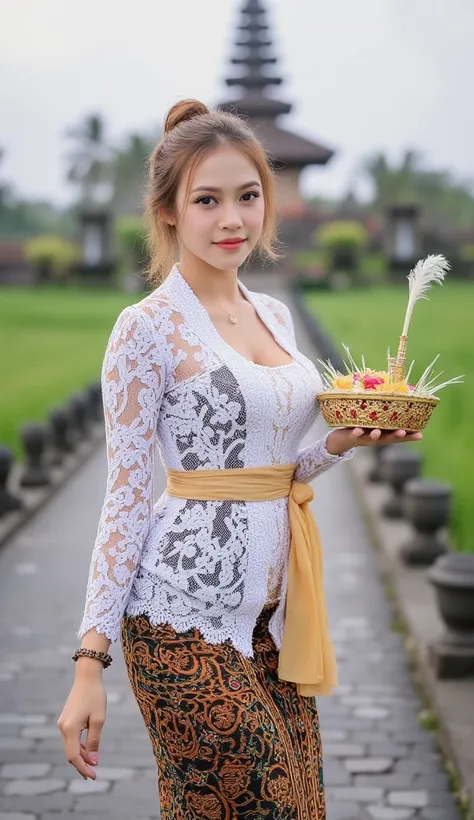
x=182 y=111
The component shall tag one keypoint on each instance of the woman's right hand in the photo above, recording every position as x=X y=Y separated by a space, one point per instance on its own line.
x=84 y=710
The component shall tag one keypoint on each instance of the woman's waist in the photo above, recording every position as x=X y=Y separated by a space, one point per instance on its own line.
x=168 y=592
x=191 y=536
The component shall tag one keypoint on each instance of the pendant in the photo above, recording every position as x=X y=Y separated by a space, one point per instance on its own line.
x=232 y=319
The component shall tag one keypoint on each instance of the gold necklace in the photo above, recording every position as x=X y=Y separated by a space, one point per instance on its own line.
x=231 y=316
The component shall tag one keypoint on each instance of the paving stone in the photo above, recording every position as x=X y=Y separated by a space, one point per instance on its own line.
x=115 y=805
x=440 y=814
x=356 y=794
x=368 y=765
x=371 y=712
x=109 y=773
x=343 y=750
x=23 y=720
x=410 y=799
x=9 y=730
x=16 y=816
x=389 y=780
x=41 y=732
x=434 y=782
x=358 y=700
x=333 y=736
x=34 y=786
x=135 y=789
x=440 y=799
x=38 y=803
x=345 y=811
x=387 y=749
x=415 y=766
x=15 y=743
x=19 y=771
x=376 y=736
x=335 y=774
x=80 y=786
x=388 y=813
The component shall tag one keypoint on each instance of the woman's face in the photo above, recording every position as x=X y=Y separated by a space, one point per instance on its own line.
x=225 y=202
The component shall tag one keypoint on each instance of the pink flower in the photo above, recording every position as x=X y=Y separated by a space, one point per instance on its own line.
x=370 y=382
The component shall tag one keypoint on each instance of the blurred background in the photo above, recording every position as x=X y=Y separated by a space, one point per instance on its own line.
x=365 y=108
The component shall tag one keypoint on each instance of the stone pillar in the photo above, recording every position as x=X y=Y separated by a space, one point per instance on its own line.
x=97 y=262
x=402 y=238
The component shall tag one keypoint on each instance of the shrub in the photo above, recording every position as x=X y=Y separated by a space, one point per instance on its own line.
x=53 y=255
x=131 y=235
x=342 y=243
x=466 y=252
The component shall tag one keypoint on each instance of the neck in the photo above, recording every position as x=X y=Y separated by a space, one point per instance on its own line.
x=208 y=282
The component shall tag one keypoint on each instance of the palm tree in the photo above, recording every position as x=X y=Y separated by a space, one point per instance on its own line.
x=4 y=189
x=393 y=184
x=446 y=203
x=128 y=174
x=89 y=159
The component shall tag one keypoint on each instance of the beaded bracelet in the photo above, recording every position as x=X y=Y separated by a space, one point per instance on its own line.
x=93 y=653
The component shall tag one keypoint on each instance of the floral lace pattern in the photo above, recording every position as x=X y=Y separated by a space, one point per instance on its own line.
x=171 y=383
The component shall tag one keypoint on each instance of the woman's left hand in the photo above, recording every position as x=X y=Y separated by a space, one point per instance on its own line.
x=344 y=438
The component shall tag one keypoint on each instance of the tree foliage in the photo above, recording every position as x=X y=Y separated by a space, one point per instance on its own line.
x=446 y=202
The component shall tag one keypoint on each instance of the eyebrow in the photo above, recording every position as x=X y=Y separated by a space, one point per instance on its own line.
x=219 y=190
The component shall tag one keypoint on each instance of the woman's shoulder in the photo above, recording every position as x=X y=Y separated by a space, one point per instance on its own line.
x=143 y=318
x=279 y=309
x=150 y=309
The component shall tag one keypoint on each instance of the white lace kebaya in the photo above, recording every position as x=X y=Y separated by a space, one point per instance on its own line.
x=170 y=380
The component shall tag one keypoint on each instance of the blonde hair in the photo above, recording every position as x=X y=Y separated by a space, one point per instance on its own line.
x=191 y=132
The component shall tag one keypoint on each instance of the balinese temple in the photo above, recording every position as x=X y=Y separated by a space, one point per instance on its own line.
x=254 y=55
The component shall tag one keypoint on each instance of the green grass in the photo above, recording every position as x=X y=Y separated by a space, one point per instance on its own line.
x=370 y=321
x=52 y=343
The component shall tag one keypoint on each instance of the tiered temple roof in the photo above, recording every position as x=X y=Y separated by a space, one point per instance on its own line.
x=254 y=55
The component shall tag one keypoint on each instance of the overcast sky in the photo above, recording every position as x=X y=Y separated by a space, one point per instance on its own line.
x=363 y=75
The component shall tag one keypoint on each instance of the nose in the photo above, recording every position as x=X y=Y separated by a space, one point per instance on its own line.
x=230 y=217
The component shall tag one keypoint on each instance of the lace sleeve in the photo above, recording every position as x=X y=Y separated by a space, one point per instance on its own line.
x=315 y=459
x=132 y=385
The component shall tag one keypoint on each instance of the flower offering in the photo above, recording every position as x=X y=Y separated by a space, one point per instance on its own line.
x=387 y=399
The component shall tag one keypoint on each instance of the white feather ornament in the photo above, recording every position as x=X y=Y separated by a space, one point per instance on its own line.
x=426 y=272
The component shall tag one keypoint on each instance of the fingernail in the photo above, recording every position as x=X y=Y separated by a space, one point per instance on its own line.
x=95 y=759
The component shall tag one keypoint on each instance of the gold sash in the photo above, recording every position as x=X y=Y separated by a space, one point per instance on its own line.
x=306 y=656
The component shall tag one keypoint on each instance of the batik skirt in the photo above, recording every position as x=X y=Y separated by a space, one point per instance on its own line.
x=230 y=739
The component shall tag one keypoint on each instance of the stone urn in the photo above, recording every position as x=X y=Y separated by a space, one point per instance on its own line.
x=427 y=507
x=375 y=472
x=8 y=501
x=398 y=466
x=452 y=577
x=34 y=437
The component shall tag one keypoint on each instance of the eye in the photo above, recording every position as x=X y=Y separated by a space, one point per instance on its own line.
x=205 y=200
x=251 y=193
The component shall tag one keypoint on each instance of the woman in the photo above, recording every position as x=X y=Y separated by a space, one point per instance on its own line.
x=224 y=636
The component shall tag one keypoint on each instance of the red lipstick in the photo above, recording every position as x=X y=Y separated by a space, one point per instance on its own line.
x=230 y=244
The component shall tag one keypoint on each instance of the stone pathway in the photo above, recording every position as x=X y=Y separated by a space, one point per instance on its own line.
x=379 y=764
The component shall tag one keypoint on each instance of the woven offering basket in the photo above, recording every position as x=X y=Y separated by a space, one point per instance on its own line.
x=385 y=399
x=387 y=412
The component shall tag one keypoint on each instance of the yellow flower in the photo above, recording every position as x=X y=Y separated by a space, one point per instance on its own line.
x=393 y=387
x=401 y=387
x=343 y=382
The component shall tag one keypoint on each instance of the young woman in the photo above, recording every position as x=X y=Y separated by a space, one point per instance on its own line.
x=216 y=590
